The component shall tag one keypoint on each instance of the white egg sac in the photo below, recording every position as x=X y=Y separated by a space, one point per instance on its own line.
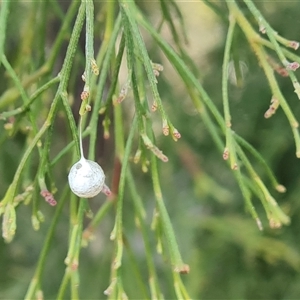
x=86 y=178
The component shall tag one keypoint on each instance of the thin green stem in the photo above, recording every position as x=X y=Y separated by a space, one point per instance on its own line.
x=140 y=213
x=71 y=121
x=89 y=55
x=229 y=150
x=262 y=161
x=175 y=255
x=71 y=50
x=64 y=285
x=3 y=24
x=180 y=289
x=134 y=268
x=72 y=258
x=36 y=279
x=238 y=175
x=117 y=232
x=75 y=285
x=277 y=213
x=247 y=196
x=116 y=70
x=89 y=45
x=100 y=87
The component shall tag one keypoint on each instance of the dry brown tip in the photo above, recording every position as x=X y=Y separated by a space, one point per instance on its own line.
x=184 y=269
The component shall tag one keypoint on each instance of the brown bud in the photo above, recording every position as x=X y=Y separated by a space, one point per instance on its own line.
x=84 y=95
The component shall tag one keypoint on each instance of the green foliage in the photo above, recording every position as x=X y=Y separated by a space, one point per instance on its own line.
x=119 y=75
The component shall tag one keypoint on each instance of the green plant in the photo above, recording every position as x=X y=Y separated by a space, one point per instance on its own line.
x=38 y=98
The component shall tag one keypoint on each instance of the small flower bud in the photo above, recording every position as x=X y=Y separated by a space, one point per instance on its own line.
x=8 y=126
x=235 y=167
x=148 y=143
x=274 y=224
x=156 y=73
x=280 y=188
x=102 y=110
x=35 y=222
x=272 y=109
x=293 y=44
x=123 y=92
x=282 y=71
x=158 y=67
x=9 y=223
x=166 y=128
x=111 y=287
x=48 y=197
x=154 y=106
x=95 y=68
x=183 y=269
x=106 y=190
x=262 y=29
x=40 y=216
x=145 y=164
x=293 y=66
x=226 y=154
x=137 y=156
x=83 y=76
x=176 y=134
x=84 y=95
x=106 y=123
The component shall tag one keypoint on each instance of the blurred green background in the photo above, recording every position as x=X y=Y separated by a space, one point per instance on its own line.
x=228 y=256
